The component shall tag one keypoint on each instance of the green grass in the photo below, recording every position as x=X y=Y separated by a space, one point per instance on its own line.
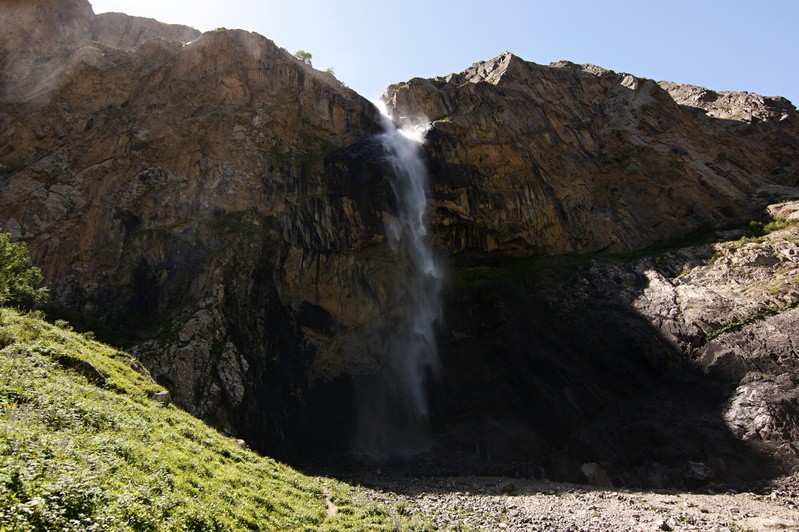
x=84 y=447
x=758 y=230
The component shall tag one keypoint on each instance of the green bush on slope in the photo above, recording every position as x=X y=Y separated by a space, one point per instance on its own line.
x=19 y=280
x=83 y=447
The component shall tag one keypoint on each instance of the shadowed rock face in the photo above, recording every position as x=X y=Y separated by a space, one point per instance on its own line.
x=640 y=364
x=218 y=199
x=221 y=206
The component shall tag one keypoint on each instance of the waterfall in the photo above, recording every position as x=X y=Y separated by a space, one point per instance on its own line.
x=416 y=353
x=394 y=404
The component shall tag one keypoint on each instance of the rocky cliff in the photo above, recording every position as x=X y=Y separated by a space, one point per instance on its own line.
x=664 y=369
x=219 y=206
x=565 y=158
x=212 y=197
x=648 y=364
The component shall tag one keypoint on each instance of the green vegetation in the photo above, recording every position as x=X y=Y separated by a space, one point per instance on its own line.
x=759 y=228
x=84 y=447
x=516 y=272
x=19 y=280
x=304 y=56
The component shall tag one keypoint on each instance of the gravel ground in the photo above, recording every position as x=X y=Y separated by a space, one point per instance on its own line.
x=486 y=503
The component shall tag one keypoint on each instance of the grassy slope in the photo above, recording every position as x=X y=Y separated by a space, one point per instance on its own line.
x=81 y=450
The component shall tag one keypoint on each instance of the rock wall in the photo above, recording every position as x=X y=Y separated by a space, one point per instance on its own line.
x=673 y=370
x=219 y=207
x=564 y=158
x=123 y=31
x=40 y=37
x=217 y=202
x=644 y=365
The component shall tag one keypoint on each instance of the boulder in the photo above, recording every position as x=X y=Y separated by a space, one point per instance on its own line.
x=162 y=397
x=596 y=475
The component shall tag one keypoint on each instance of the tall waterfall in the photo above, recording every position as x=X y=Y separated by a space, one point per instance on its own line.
x=396 y=406
x=417 y=354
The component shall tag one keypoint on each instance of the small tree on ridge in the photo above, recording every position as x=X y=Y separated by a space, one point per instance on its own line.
x=304 y=56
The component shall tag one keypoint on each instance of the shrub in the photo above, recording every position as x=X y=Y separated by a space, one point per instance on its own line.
x=304 y=56
x=19 y=280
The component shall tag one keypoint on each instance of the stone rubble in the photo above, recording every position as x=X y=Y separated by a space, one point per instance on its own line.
x=477 y=503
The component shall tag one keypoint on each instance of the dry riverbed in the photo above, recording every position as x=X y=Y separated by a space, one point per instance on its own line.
x=485 y=503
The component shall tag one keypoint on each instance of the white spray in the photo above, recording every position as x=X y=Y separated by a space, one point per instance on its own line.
x=416 y=355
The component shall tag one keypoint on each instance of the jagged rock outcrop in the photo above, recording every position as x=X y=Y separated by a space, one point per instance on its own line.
x=221 y=206
x=738 y=106
x=124 y=31
x=39 y=41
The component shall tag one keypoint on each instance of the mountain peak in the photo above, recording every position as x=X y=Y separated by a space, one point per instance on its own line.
x=495 y=70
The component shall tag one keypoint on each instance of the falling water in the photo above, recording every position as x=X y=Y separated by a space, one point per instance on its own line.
x=394 y=404
x=416 y=356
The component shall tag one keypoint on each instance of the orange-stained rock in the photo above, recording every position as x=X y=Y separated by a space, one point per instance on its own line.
x=566 y=158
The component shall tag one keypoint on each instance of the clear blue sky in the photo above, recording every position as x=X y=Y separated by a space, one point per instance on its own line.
x=720 y=44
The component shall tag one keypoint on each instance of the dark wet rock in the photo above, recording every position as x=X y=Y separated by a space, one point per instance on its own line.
x=697 y=475
x=644 y=364
x=507 y=488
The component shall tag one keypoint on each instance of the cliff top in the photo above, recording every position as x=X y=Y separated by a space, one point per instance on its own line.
x=124 y=31
x=508 y=69
x=42 y=40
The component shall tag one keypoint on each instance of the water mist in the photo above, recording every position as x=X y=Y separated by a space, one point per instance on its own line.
x=394 y=411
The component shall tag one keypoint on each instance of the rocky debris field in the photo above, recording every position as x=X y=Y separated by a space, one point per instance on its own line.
x=496 y=503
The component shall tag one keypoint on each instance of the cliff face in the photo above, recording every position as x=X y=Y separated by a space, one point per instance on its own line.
x=219 y=199
x=220 y=206
x=643 y=365
x=564 y=158
x=39 y=39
